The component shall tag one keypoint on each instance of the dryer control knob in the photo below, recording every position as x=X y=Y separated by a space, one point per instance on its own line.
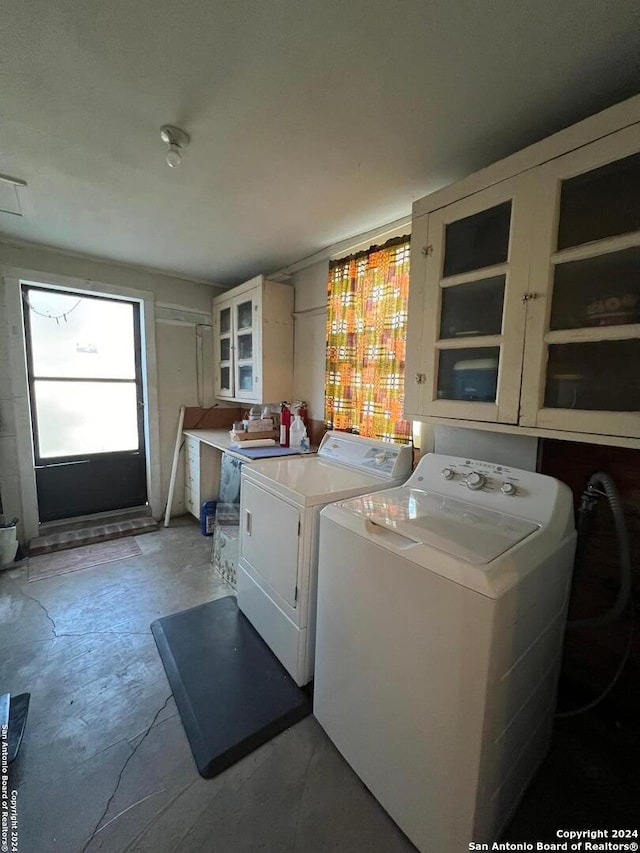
x=380 y=457
x=475 y=480
x=508 y=489
x=448 y=473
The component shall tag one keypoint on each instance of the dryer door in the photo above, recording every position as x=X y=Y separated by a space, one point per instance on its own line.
x=269 y=537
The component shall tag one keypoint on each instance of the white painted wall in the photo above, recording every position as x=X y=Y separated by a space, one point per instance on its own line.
x=176 y=312
x=310 y=320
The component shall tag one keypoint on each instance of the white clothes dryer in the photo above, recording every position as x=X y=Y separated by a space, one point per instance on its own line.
x=441 y=615
x=280 y=505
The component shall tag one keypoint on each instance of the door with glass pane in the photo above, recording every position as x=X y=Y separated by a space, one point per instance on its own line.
x=475 y=305
x=583 y=335
x=224 y=383
x=83 y=356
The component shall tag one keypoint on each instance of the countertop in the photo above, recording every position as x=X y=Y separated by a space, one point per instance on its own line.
x=218 y=438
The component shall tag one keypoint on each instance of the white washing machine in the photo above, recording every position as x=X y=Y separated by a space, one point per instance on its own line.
x=280 y=505
x=441 y=614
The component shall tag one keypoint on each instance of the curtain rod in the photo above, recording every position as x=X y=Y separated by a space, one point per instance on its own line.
x=394 y=241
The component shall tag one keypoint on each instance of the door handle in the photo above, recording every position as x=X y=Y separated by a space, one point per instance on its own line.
x=247 y=521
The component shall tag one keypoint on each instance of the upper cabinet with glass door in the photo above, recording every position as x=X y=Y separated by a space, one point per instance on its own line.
x=253 y=328
x=583 y=336
x=468 y=350
x=524 y=306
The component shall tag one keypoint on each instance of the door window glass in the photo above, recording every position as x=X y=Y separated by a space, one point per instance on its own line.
x=75 y=336
x=78 y=418
x=83 y=374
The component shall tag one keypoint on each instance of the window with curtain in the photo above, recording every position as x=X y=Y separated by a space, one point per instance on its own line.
x=366 y=342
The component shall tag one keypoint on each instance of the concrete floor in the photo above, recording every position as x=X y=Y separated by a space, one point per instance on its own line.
x=105 y=764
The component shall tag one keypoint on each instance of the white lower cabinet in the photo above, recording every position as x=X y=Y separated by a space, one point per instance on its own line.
x=201 y=474
x=524 y=308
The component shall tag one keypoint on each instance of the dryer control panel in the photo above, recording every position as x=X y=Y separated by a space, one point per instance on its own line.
x=391 y=461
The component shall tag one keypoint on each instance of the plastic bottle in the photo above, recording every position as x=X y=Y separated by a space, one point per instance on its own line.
x=208 y=518
x=302 y=408
x=285 y=424
x=297 y=432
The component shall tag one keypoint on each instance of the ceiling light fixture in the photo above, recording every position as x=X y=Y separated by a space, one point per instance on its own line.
x=177 y=140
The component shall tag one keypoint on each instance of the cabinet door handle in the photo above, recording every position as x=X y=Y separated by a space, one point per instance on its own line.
x=247 y=521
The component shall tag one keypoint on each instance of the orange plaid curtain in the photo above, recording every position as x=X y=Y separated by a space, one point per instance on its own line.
x=366 y=341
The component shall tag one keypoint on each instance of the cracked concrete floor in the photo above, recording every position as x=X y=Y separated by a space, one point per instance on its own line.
x=105 y=765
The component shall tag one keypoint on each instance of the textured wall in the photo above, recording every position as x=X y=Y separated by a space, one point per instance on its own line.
x=179 y=354
x=592 y=655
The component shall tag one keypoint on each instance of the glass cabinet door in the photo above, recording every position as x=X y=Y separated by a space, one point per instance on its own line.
x=224 y=343
x=583 y=351
x=474 y=317
x=246 y=310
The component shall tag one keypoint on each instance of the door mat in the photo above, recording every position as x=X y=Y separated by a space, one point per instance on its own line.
x=74 y=559
x=232 y=693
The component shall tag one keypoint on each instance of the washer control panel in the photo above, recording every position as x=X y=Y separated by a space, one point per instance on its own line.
x=489 y=486
x=500 y=479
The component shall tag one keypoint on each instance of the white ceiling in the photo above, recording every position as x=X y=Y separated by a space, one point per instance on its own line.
x=311 y=120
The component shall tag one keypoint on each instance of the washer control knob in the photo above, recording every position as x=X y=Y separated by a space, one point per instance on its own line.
x=508 y=489
x=448 y=473
x=475 y=480
x=380 y=457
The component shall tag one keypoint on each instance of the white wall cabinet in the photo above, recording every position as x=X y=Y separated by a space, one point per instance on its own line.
x=524 y=307
x=201 y=474
x=253 y=327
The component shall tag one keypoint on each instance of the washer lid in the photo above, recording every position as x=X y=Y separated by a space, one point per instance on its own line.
x=464 y=530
